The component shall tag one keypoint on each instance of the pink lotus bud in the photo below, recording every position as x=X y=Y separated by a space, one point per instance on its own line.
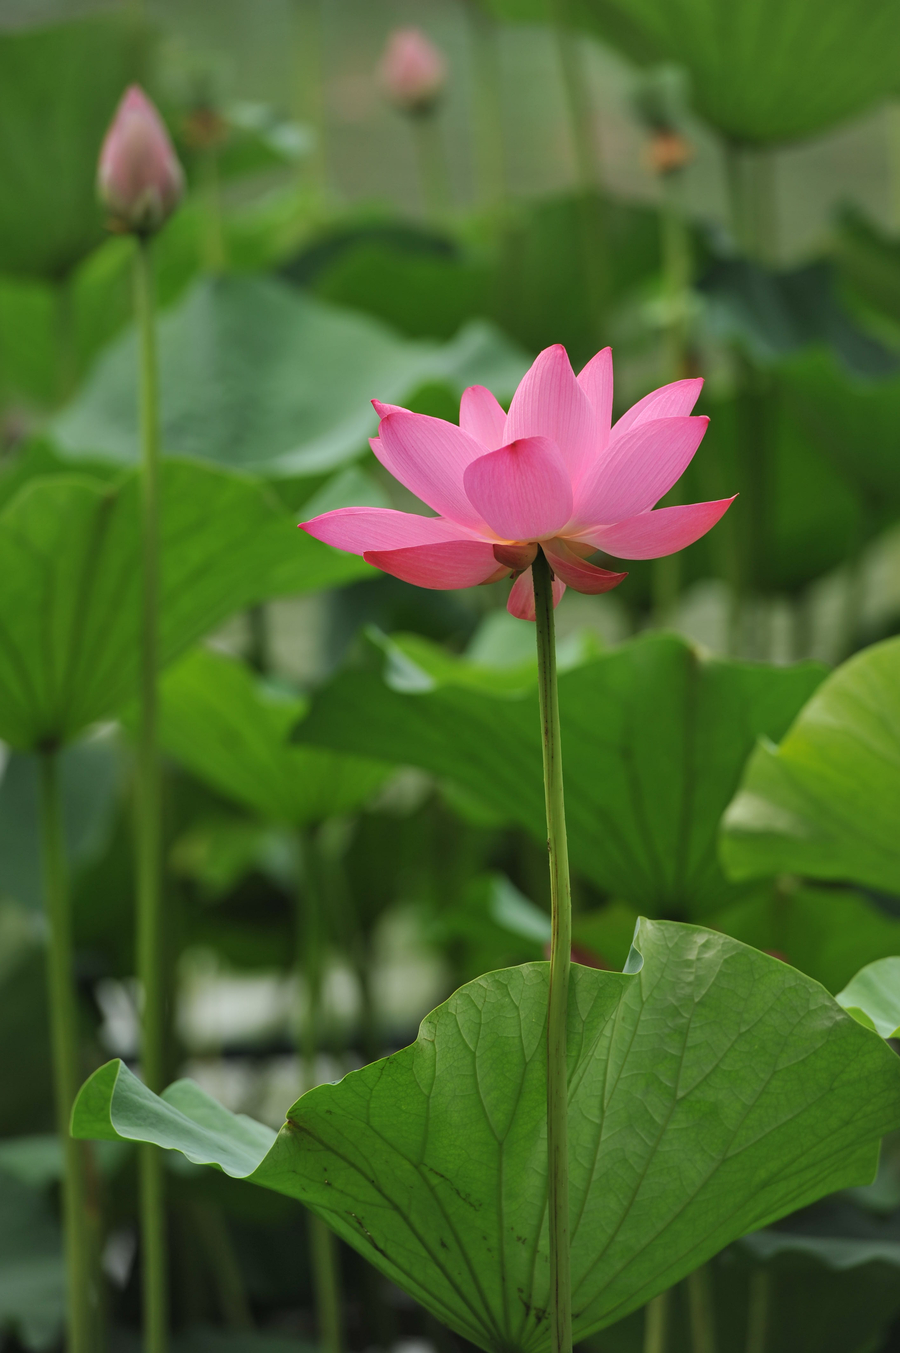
x=413 y=71
x=139 y=178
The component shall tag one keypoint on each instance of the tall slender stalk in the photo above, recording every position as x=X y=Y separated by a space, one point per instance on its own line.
x=149 y=821
x=309 y=86
x=322 y=1244
x=701 y=1311
x=434 y=172
x=66 y=1069
x=656 y=1323
x=560 y=965
x=758 y=1311
x=676 y=260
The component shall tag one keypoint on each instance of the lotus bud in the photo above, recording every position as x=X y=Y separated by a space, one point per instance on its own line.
x=139 y=178
x=668 y=151
x=413 y=71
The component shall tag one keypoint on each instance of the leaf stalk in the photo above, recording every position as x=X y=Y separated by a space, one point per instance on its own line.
x=149 y=817
x=77 y=1241
x=560 y=964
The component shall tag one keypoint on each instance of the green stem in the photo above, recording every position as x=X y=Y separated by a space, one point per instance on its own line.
x=214 y=253
x=758 y=1311
x=309 y=85
x=675 y=247
x=702 y=1313
x=149 y=821
x=434 y=174
x=487 y=120
x=322 y=1243
x=66 y=1069
x=211 y=1226
x=560 y=964
x=656 y=1320
x=66 y=344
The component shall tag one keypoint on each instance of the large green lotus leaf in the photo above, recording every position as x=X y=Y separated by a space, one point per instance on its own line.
x=257 y=375
x=655 y=736
x=853 y=421
x=786 y=536
x=873 y=996
x=70 y=602
x=824 y=802
x=712 y=1089
x=761 y=70
x=868 y=257
x=233 y=730
x=59 y=88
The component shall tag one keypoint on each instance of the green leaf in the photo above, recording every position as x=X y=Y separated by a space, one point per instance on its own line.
x=873 y=996
x=232 y=730
x=70 y=603
x=824 y=802
x=832 y=407
x=59 y=88
x=655 y=736
x=688 y=1126
x=256 y=375
x=776 y=313
x=761 y=70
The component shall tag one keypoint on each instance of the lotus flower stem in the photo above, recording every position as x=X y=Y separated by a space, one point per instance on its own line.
x=656 y=1323
x=560 y=964
x=676 y=259
x=149 y=821
x=434 y=172
x=322 y=1241
x=66 y=1068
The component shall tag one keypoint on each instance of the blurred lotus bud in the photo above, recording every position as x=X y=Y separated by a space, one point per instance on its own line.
x=139 y=178
x=668 y=151
x=413 y=71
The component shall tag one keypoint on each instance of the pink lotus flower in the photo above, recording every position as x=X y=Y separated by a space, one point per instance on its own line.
x=413 y=71
x=139 y=178
x=551 y=473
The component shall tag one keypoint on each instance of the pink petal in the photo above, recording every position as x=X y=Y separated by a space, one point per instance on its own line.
x=550 y=403
x=596 y=380
x=578 y=573
x=482 y=417
x=429 y=456
x=637 y=470
x=653 y=534
x=522 y=491
x=516 y=557
x=384 y=409
x=358 y=529
x=669 y=401
x=449 y=564
x=520 y=602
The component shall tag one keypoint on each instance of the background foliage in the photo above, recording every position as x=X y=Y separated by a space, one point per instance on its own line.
x=352 y=781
